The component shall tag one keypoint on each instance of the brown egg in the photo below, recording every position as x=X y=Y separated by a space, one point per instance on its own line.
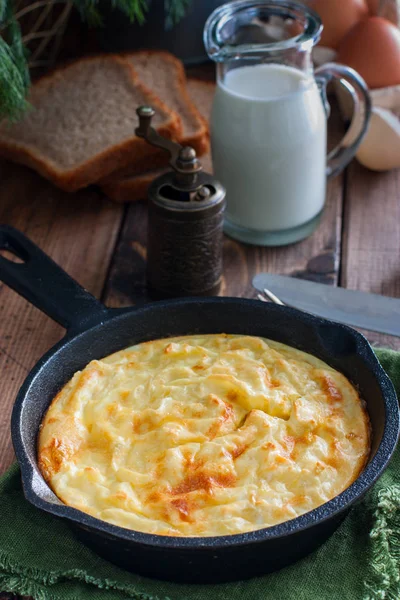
x=372 y=48
x=373 y=6
x=338 y=17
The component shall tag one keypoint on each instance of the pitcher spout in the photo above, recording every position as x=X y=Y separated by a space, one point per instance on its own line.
x=248 y=29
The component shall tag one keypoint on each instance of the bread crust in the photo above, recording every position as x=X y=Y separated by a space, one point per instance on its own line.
x=199 y=141
x=104 y=162
x=211 y=87
x=131 y=187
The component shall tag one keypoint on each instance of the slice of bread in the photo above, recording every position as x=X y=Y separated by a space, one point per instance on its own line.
x=135 y=187
x=165 y=75
x=82 y=122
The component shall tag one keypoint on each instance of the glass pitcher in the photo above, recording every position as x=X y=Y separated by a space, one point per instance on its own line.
x=269 y=119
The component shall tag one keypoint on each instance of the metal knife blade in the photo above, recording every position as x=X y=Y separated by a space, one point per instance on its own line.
x=359 y=309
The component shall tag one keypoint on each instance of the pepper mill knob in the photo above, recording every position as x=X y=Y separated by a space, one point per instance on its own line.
x=145 y=114
x=187 y=154
x=186 y=205
x=183 y=159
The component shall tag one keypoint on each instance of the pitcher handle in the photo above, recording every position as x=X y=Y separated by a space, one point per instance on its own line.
x=340 y=156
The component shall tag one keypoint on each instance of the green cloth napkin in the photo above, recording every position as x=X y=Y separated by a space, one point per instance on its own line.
x=40 y=557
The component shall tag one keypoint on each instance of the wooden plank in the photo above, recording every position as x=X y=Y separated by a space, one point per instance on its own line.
x=316 y=258
x=79 y=232
x=371 y=237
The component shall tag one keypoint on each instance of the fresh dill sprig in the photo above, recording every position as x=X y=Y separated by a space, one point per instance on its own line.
x=90 y=11
x=136 y=11
x=14 y=72
x=175 y=10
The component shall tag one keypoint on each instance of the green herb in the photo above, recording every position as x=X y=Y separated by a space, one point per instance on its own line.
x=14 y=72
x=135 y=10
x=175 y=11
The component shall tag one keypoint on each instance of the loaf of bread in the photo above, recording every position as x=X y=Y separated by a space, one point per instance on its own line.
x=82 y=120
x=129 y=188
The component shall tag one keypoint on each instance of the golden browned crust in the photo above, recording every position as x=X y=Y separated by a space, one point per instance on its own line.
x=103 y=163
x=203 y=435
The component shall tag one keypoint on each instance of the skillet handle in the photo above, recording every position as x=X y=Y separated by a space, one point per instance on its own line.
x=43 y=283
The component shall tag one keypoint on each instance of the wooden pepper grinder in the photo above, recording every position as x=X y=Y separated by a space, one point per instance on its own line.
x=186 y=205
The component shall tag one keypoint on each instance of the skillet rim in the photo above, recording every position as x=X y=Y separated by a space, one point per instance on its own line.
x=334 y=507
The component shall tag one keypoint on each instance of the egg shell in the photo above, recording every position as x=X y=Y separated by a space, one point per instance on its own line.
x=380 y=149
x=372 y=48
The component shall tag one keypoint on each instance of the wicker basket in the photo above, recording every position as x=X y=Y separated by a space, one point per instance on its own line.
x=42 y=23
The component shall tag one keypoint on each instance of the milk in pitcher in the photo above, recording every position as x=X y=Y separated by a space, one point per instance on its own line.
x=269 y=147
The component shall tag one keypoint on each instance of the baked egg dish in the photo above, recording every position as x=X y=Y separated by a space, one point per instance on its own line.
x=203 y=435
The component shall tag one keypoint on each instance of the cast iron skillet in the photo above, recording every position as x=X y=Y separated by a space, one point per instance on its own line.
x=94 y=331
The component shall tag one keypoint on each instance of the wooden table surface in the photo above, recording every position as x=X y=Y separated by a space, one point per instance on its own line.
x=102 y=245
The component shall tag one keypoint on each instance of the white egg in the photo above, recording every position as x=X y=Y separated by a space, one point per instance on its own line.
x=380 y=149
